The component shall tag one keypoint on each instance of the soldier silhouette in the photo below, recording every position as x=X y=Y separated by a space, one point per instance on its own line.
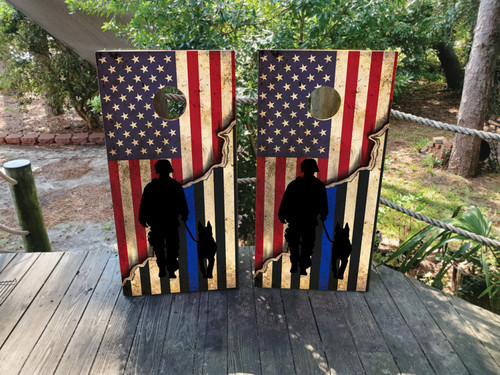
x=304 y=200
x=163 y=203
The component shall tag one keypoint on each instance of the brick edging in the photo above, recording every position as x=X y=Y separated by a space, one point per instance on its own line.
x=52 y=138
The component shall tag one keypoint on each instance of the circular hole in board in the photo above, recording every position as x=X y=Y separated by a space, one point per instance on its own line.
x=169 y=109
x=323 y=103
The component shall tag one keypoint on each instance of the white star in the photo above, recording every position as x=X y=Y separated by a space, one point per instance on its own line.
x=296 y=58
x=312 y=58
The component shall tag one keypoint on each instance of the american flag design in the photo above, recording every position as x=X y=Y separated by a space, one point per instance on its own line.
x=199 y=144
x=349 y=150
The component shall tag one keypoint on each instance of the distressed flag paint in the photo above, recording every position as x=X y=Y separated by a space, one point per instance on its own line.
x=348 y=149
x=199 y=144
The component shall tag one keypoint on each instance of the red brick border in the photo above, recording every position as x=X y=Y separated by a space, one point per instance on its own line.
x=47 y=139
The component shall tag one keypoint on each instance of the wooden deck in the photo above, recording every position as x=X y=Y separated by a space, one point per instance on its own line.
x=66 y=315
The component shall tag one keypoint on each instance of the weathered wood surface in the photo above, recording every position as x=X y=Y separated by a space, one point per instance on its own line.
x=67 y=315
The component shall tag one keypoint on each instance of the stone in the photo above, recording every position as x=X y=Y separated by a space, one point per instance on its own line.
x=438 y=140
x=80 y=138
x=447 y=145
x=97 y=138
x=63 y=139
x=46 y=139
x=438 y=146
x=430 y=144
x=2 y=138
x=13 y=139
x=30 y=139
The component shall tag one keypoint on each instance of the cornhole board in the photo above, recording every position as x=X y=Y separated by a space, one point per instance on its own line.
x=199 y=144
x=348 y=148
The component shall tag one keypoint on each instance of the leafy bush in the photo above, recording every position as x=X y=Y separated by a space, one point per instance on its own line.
x=453 y=250
x=35 y=63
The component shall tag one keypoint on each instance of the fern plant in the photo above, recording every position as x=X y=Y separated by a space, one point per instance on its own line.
x=451 y=249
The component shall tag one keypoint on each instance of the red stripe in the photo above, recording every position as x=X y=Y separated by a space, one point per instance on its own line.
x=279 y=191
x=323 y=170
x=392 y=86
x=116 y=196
x=152 y=163
x=216 y=104
x=136 y=191
x=259 y=212
x=371 y=105
x=298 y=172
x=177 y=166
x=348 y=117
x=194 y=111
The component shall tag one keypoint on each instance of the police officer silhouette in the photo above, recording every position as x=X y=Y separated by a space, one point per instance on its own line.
x=163 y=203
x=304 y=200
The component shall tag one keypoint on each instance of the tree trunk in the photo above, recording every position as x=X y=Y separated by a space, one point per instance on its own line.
x=479 y=72
x=449 y=62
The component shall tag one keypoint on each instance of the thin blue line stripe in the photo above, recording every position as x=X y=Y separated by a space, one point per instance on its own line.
x=326 y=245
x=192 y=254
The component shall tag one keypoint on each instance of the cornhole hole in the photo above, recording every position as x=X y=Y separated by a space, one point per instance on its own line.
x=332 y=109
x=171 y=167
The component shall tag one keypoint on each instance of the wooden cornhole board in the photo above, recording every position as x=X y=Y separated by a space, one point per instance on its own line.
x=348 y=149
x=199 y=144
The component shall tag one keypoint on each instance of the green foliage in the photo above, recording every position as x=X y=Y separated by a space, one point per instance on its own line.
x=450 y=249
x=35 y=63
x=410 y=27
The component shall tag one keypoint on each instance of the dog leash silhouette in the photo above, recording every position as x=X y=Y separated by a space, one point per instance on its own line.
x=326 y=232
x=190 y=234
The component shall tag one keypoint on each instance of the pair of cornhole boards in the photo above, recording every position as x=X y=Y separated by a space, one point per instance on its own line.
x=332 y=106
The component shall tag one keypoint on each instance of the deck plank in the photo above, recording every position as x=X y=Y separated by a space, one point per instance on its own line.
x=36 y=317
x=434 y=344
x=179 y=347
x=274 y=342
x=483 y=323
x=84 y=344
x=400 y=325
x=212 y=345
x=340 y=350
x=243 y=342
x=52 y=344
x=307 y=348
x=398 y=336
x=5 y=259
x=370 y=343
x=147 y=346
x=31 y=271
x=113 y=353
x=470 y=350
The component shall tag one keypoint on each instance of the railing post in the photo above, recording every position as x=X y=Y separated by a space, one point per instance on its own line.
x=29 y=213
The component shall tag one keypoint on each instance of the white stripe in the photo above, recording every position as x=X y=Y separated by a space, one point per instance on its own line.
x=336 y=122
x=184 y=120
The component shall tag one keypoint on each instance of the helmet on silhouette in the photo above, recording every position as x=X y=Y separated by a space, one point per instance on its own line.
x=163 y=166
x=309 y=165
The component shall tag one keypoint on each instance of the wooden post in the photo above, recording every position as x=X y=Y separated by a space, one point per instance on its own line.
x=29 y=213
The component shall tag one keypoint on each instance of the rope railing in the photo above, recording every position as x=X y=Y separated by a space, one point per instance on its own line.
x=16 y=232
x=394 y=113
x=10 y=180
x=440 y=224
x=429 y=220
x=445 y=126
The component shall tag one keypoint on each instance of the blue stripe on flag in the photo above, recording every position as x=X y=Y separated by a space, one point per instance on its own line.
x=326 y=246
x=192 y=254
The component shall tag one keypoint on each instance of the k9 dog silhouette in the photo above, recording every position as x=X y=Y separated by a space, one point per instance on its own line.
x=207 y=248
x=341 y=250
